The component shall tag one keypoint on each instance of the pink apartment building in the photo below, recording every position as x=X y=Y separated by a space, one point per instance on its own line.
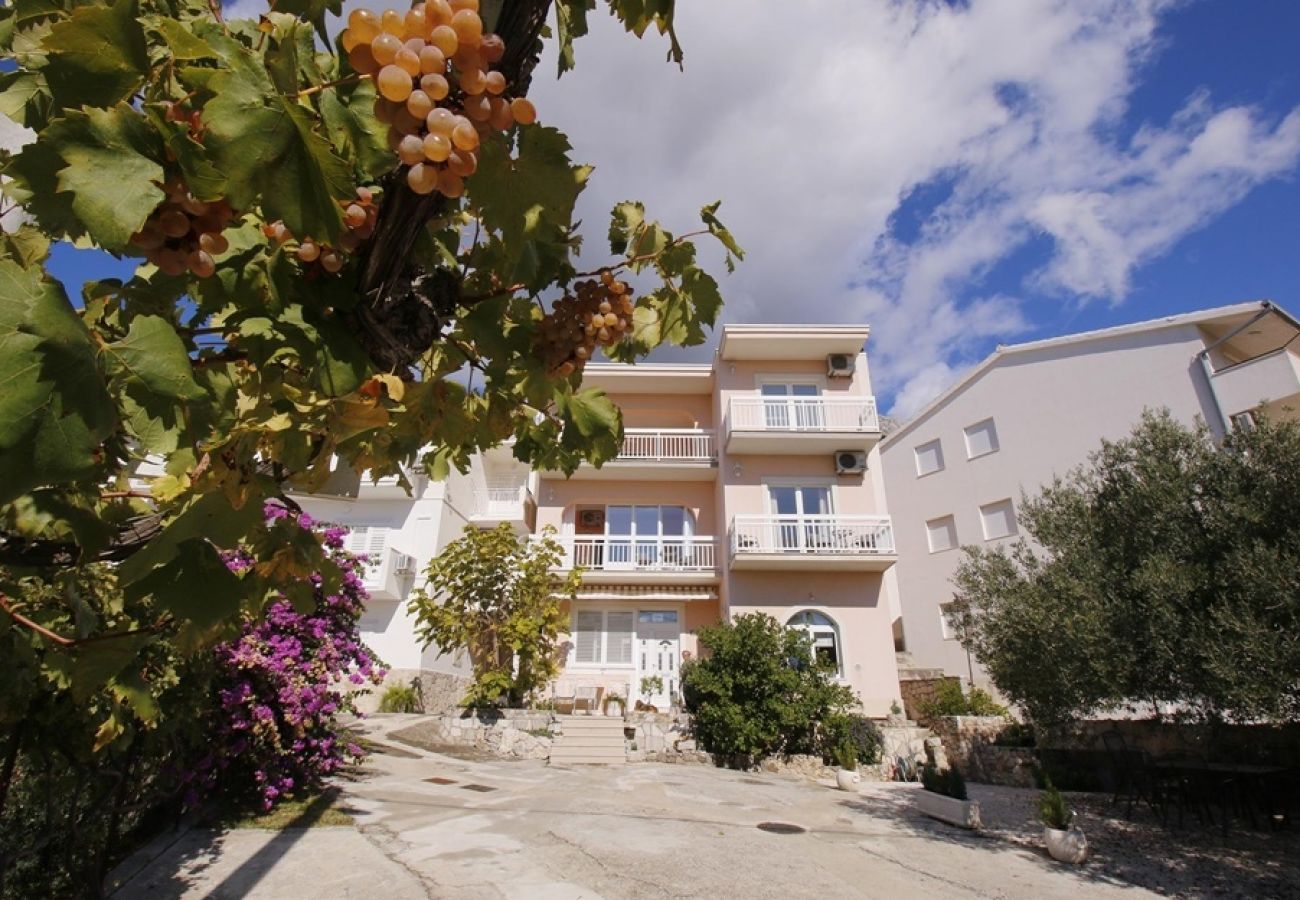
x=750 y=484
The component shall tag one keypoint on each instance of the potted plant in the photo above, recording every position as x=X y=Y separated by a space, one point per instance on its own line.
x=652 y=686
x=846 y=777
x=615 y=703
x=944 y=797
x=1065 y=841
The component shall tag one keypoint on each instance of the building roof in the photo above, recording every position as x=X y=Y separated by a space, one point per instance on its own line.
x=1222 y=316
x=790 y=342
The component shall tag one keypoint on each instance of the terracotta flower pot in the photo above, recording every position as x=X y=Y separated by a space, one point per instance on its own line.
x=1067 y=846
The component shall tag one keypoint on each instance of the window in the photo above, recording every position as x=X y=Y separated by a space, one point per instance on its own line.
x=825 y=636
x=802 y=522
x=1244 y=421
x=929 y=458
x=942 y=533
x=603 y=637
x=999 y=519
x=641 y=535
x=792 y=405
x=981 y=439
x=947 y=622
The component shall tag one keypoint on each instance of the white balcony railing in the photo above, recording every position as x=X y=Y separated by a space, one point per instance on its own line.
x=667 y=445
x=612 y=553
x=804 y=414
x=505 y=499
x=816 y=535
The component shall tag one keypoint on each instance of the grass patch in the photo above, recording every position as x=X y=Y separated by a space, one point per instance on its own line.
x=315 y=811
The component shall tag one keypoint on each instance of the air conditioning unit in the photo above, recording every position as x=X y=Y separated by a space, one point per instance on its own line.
x=850 y=462
x=404 y=565
x=840 y=365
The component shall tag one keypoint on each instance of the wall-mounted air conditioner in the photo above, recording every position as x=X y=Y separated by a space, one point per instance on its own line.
x=840 y=365
x=850 y=462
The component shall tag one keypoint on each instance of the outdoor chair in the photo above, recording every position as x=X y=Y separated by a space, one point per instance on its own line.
x=587 y=696
x=557 y=699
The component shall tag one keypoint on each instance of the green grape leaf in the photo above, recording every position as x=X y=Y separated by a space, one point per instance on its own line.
x=194 y=585
x=268 y=148
x=25 y=98
x=210 y=517
x=98 y=55
x=93 y=664
x=529 y=200
x=26 y=245
x=625 y=220
x=709 y=215
x=312 y=10
x=110 y=170
x=202 y=178
x=55 y=412
x=592 y=423
x=292 y=55
x=638 y=15
x=153 y=355
x=183 y=44
x=570 y=24
x=348 y=114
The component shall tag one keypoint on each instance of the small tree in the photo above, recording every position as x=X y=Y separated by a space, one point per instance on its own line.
x=496 y=595
x=1167 y=571
x=760 y=690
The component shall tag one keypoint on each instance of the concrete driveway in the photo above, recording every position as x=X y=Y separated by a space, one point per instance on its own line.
x=435 y=826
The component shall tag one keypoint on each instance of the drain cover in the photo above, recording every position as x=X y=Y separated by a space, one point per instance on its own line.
x=440 y=780
x=755 y=781
x=481 y=788
x=781 y=828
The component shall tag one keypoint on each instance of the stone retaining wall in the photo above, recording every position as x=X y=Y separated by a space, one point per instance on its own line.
x=440 y=691
x=968 y=742
x=513 y=733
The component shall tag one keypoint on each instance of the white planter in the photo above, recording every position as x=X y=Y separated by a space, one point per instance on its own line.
x=1067 y=846
x=962 y=813
x=847 y=779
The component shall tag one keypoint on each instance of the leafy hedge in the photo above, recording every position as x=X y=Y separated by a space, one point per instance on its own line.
x=759 y=690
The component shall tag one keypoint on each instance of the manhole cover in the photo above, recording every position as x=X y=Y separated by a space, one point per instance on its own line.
x=440 y=780
x=481 y=788
x=755 y=781
x=781 y=828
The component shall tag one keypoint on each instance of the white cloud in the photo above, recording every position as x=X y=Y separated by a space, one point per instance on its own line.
x=13 y=137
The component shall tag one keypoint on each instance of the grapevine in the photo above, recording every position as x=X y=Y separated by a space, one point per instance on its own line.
x=598 y=313
x=437 y=91
x=184 y=232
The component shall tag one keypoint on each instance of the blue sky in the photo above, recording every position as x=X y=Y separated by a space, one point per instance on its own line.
x=957 y=175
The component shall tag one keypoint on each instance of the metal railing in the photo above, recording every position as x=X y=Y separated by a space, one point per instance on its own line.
x=799 y=414
x=829 y=535
x=667 y=444
x=612 y=553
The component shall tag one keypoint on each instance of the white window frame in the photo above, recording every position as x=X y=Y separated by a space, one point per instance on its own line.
x=813 y=630
x=937 y=443
x=952 y=530
x=603 y=642
x=984 y=522
x=795 y=482
x=946 y=625
x=995 y=444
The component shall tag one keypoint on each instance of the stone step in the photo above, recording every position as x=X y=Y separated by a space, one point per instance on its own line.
x=574 y=727
x=590 y=740
x=597 y=759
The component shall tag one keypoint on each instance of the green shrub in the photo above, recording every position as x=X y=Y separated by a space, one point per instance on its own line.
x=1052 y=809
x=846 y=756
x=950 y=700
x=760 y=691
x=948 y=782
x=859 y=732
x=400 y=698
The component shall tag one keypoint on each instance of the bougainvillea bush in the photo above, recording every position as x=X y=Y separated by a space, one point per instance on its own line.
x=85 y=776
x=282 y=685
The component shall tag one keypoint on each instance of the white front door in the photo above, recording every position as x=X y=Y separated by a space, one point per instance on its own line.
x=658 y=647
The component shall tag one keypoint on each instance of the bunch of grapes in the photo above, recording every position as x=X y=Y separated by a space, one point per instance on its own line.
x=183 y=232
x=438 y=92
x=598 y=313
x=359 y=215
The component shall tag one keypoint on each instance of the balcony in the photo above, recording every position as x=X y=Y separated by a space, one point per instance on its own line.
x=659 y=454
x=801 y=425
x=388 y=573
x=504 y=500
x=610 y=559
x=826 y=543
x=1273 y=377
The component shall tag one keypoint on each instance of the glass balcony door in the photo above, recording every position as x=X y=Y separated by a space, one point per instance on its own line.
x=802 y=516
x=647 y=537
x=790 y=407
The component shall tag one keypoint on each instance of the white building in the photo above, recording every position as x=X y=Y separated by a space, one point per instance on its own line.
x=955 y=473
x=401 y=533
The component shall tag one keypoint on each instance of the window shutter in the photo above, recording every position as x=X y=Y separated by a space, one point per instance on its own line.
x=587 y=637
x=619 y=625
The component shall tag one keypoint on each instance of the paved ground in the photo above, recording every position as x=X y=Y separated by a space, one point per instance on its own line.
x=640 y=831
